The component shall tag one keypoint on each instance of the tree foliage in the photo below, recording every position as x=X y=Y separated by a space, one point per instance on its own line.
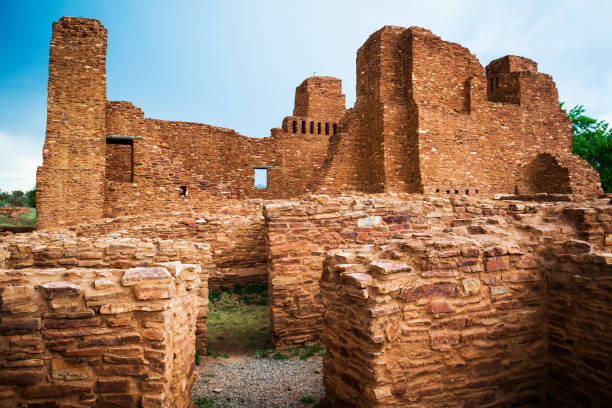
x=592 y=140
x=18 y=198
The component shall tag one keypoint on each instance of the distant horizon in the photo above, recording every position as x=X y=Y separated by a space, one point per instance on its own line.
x=236 y=64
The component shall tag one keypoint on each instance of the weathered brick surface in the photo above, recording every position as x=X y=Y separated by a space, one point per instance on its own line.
x=67 y=341
x=428 y=331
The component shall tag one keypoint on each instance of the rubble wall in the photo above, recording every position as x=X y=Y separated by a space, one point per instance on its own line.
x=98 y=337
x=236 y=241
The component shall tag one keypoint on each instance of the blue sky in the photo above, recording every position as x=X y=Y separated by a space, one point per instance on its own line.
x=236 y=63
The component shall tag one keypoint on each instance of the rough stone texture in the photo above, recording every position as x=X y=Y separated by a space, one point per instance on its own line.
x=62 y=249
x=299 y=233
x=236 y=239
x=67 y=342
x=428 y=119
x=454 y=319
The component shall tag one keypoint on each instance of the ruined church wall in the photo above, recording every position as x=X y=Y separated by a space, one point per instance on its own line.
x=428 y=120
x=211 y=163
x=94 y=337
x=468 y=142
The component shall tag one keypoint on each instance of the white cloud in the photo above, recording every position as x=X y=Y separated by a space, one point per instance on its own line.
x=19 y=157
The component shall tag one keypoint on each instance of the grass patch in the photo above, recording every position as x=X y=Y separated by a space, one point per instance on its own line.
x=24 y=220
x=307 y=399
x=238 y=320
x=203 y=402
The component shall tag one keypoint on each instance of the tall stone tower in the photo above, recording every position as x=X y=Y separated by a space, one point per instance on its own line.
x=70 y=183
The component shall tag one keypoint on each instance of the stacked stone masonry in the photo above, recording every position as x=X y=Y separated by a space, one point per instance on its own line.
x=460 y=318
x=377 y=233
x=97 y=336
x=428 y=119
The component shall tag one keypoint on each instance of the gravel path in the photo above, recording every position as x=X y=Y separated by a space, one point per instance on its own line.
x=259 y=382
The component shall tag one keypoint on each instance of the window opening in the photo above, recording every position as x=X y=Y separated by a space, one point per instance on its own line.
x=335 y=129
x=319 y=128
x=326 y=128
x=183 y=191
x=303 y=126
x=261 y=178
x=311 y=127
x=294 y=126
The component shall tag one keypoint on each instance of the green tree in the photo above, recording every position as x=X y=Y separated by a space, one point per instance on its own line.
x=31 y=198
x=592 y=140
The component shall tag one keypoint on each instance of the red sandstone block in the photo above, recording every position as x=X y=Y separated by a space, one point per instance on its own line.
x=494 y=251
x=439 y=306
x=60 y=289
x=495 y=264
x=383 y=311
x=385 y=266
x=71 y=323
x=470 y=252
x=154 y=292
x=360 y=280
x=440 y=289
x=134 y=276
x=21 y=377
x=115 y=340
x=16 y=325
x=54 y=390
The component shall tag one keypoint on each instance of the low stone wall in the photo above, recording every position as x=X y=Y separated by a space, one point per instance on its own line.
x=98 y=337
x=579 y=335
x=434 y=320
x=14 y=212
x=237 y=240
x=64 y=249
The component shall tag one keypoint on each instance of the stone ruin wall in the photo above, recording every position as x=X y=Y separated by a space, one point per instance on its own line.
x=236 y=239
x=107 y=322
x=428 y=119
x=424 y=107
x=300 y=233
x=460 y=318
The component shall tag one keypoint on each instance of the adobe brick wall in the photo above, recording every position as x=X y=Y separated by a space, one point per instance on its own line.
x=98 y=337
